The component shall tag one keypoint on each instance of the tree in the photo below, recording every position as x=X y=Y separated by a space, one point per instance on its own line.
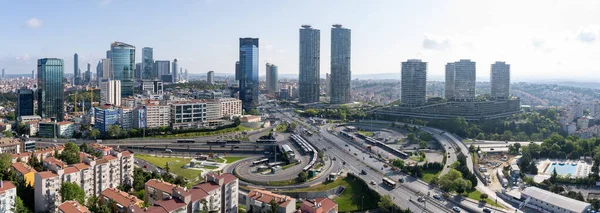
x=411 y=137
x=386 y=204
x=302 y=176
x=94 y=133
x=483 y=196
x=20 y=207
x=253 y=111
x=71 y=191
x=114 y=131
x=5 y=162
x=273 y=204
x=423 y=145
x=8 y=134
x=70 y=154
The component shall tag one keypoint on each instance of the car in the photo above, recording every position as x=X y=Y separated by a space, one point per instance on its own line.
x=456 y=209
x=343 y=162
x=487 y=210
x=345 y=144
x=370 y=156
x=146 y=166
x=437 y=196
x=363 y=172
x=373 y=182
x=421 y=199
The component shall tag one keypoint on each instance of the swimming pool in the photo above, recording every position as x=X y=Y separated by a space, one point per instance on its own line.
x=562 y=169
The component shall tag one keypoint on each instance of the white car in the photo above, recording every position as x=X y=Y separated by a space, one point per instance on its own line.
x=456 y=209
x=373 y=182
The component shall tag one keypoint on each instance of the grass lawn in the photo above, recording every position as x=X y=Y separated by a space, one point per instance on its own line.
x=175 y=166
x=210 y=167
x=231 y=159
x=207 y=133
x=288 y=166
x=366 y=133
x=350 y=200
x=429 y=174
x=218 y=160
x=475 y=196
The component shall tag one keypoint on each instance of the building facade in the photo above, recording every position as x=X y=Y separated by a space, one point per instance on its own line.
x=258 y=201
x=123 y=66
x=462 y=80
x=175 y=69
x=210 y=77
x=340 y=65
x=157 y=115
x=230 y=107
x=24 y=102
x=310 y=62
x=272 y=79
x=500 y=80
x=50 y=88
x=76 y=71
x=162 y=68
x=110 y=92
x=249 y=73
x=148 y=64
x=414 y=82
x=194 y=114
x=105 y=116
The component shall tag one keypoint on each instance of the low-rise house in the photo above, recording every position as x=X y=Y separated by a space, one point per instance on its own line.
x=258 y=201
x=319 y=205
x=72 y=206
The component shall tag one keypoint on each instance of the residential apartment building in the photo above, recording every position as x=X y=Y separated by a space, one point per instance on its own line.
x=414 y=82
x=156 y=115
x=123 y=201
x=310 y=60
x=47 y=191
x=219 y=193
x=500 y=80
x=9 y=145
x=126 y=118
x=230 y=107
x=319 y=205
x=24 y=173
x=65 y=129
x=258 y=201
x=460 y=80
x=8 y=195
x=110 y=92
x=194 y=114
x=340 y=65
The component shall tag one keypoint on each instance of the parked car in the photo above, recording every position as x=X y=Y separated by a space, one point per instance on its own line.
x=487 y=210
x=437 y=196
x=456 y=209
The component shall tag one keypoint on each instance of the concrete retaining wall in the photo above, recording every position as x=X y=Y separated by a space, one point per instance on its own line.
x=314 y=195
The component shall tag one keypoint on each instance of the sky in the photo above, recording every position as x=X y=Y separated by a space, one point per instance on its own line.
x=541 y=39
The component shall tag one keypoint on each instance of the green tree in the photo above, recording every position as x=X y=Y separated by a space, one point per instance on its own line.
x=411 y=137
x=425 y=136
x=386 y=204
x=423 y=145
x=302 y=176
x=273 y=205
x=94 y=133
x=70 y=154
x=8 y=134
x=5 y=162
x=253 y=111
x=71 y=191
x=20 y=207
x=113 y=131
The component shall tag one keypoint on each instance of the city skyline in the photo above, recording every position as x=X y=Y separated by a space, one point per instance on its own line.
x=543 y=48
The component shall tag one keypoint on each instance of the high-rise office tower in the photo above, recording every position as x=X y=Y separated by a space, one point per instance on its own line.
x=500 y=80
x=414 y=82
x=50 y=89
x=249 y=73
x=123 y=65
x=2 y=73
x=148 y=63
x=180 y=76
x=138 y=70
x=238 y=71
x=328 y=84
x=310 y=62
x=111 y=92
x=106 y=69
x=88 y=74
x=460 y=80
x=272 y=79
x=340 y=65
x=32 y=74
x=186 y=75
x=99 y=73
x=76 y=70
x=25 y=102
x=210 y=77
x=162 y=68
x=108 y=54
x=175 y=68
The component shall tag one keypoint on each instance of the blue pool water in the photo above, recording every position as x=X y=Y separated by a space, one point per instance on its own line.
x=562 y=169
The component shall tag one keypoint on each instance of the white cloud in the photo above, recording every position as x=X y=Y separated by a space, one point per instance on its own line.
x=537 y=43
x=103 y=3
x=435 y=42
x=587 y=35
x=34 y=23
x=23 y=58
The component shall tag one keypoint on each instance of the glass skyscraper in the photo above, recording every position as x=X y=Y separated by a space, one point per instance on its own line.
x=310 y=62
x=50 y=88
x=147 y=63
x=123 y=66
x=25 y=102
x=272 y=79
x=340 y=65
x=249 y=73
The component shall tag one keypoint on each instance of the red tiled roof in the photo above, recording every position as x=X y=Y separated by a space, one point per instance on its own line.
x=207 y=186
x=70 y=170
x=71 y=206
x=121 y=197
x=22 y=168
x=47 y=174
x=81 y=166
x=228 y=177
x=267 y=196
x=170 y=204
x=6 y=185
x=109 y=157
x=166 y=187
x=126 y=153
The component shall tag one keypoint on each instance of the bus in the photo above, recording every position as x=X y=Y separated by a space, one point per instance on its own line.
x=264 y=160
x=390 y=183
x=186 y=141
